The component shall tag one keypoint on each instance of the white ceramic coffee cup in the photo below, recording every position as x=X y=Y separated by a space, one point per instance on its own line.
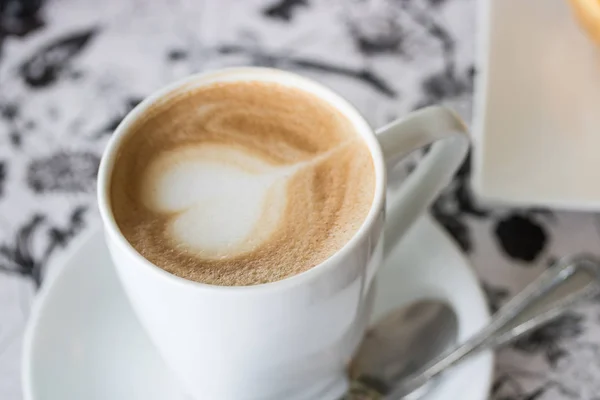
x=290 y=339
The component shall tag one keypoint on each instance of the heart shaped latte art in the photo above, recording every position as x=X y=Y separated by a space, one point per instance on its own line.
x=221 y=201
x=241 y=183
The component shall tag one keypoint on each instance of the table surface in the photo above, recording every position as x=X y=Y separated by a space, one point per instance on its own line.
x=72 y=70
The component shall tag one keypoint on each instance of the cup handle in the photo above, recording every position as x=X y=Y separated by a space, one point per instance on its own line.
x=450 y=138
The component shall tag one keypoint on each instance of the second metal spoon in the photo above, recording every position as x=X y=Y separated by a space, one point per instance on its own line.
x=566 y=282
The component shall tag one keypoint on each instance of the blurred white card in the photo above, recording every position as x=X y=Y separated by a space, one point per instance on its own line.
x=537 y=107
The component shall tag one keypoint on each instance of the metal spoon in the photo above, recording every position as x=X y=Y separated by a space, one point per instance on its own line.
x=394 y=362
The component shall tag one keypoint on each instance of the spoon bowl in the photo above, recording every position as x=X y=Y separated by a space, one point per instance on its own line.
x=402 y=342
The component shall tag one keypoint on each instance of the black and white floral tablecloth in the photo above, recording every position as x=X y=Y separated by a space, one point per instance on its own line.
x=71 y=69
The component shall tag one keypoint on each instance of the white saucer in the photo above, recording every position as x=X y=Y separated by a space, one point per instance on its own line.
x=83 y=341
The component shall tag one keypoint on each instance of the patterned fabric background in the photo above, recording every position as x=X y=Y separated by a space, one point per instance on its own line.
x=71 y=69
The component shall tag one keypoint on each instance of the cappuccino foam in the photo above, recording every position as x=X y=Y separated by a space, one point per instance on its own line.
x=241 y=183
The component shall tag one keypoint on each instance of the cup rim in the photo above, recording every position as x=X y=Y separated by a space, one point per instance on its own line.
x=109 y=156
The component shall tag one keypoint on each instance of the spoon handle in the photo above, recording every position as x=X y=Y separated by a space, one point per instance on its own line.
x=360 y=391
x=567 y=281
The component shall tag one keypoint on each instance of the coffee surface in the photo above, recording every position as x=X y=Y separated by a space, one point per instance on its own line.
x=241 y=183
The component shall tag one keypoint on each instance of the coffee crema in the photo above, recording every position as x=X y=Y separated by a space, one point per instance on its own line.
x=241 y=183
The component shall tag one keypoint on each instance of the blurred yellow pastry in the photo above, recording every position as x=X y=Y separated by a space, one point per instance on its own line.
x=588 y=14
